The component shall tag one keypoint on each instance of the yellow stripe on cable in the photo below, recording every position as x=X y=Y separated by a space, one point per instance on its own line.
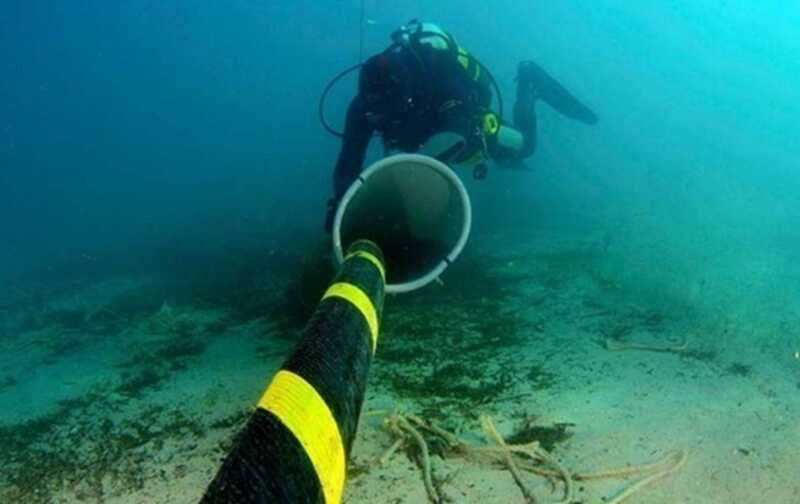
x=304 y=412
x=361 y=301
x=371 y=258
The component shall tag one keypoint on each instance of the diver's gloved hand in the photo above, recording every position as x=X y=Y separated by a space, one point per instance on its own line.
x=330 y=214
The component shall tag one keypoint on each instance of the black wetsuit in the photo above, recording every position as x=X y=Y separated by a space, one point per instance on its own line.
x=443 y=97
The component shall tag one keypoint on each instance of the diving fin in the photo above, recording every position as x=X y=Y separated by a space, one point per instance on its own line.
x=532 y=76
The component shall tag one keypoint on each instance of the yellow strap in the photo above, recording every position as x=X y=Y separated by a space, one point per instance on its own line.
x=371 y=258
x=303 y=411
x=361 y=301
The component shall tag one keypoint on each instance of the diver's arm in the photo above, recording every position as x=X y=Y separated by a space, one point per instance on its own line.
x=357 y=133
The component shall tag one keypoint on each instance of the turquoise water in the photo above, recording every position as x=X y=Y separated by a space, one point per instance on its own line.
x=163 y=178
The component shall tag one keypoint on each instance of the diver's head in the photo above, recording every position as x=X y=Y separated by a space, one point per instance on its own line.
x=379 y=80
x=396 y=82
x=417 y=35
x=386 y=86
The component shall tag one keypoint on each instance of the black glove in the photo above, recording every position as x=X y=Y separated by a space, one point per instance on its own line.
x=330 y=214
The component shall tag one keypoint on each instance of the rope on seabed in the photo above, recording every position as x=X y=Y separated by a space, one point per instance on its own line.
x=530 y=457
x=493 y=435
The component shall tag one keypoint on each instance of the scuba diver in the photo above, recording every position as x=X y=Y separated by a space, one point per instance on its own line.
x=427 y=94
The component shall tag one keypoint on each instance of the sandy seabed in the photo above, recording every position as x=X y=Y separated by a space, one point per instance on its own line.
x=143 y=409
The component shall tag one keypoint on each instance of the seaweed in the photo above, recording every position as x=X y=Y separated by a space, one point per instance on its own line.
x=63 y=345
x=150 y=368
x=7 y=382
x=547 y=436
x=177 y=350
x=739 y=369
x=440 y=345
x=134 y=385
x=540 y=379
x=70 y=319
x=165 y=354
x=216 y=327
x=69 y=450
x=234 y=420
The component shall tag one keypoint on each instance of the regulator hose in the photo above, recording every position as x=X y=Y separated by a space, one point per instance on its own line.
x=324 y=97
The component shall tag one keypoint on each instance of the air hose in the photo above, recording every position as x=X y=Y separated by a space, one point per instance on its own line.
x=324 y=96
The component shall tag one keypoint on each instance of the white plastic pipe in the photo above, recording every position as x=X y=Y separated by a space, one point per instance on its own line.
x=453 y=186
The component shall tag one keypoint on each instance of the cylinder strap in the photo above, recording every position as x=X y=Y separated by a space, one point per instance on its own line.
x=356 y=297
x=303 y=411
